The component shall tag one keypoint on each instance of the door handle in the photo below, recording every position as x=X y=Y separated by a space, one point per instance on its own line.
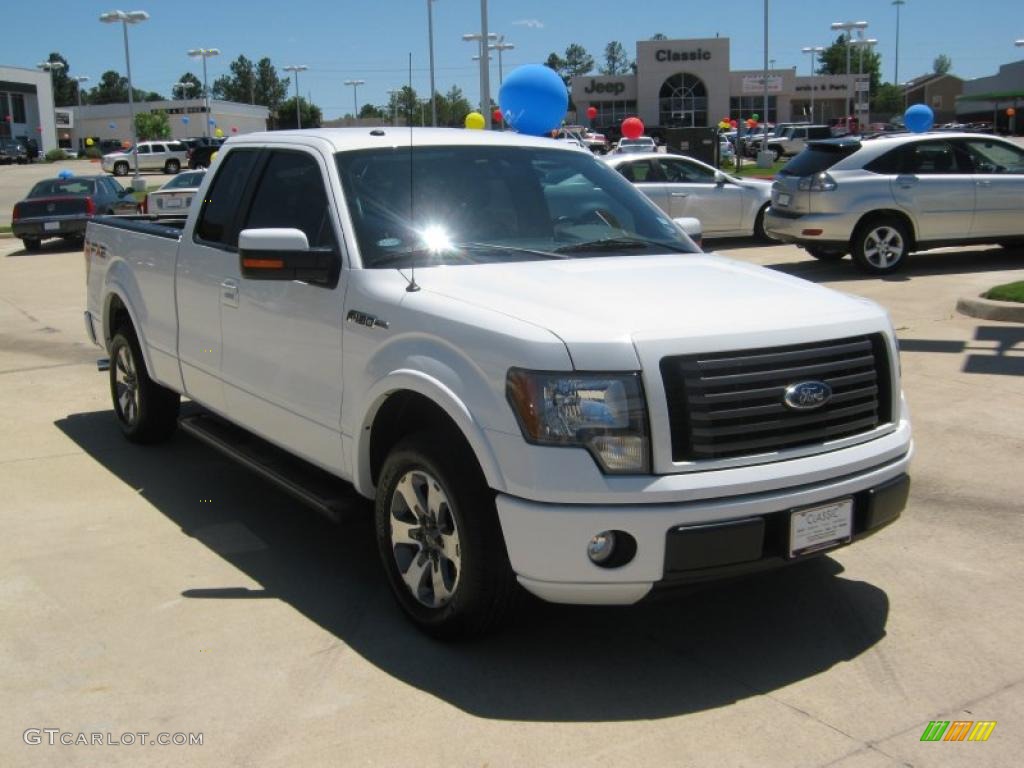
x=984 y=182
x=680 y=194
x=229 y=293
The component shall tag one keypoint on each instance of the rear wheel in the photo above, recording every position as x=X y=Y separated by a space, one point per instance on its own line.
x=776 y=154
x=172 y=166
x=880 y=245
x=439 y=538
x=31 y=243
x=145 y=411
x=121 y=168
x=825 y=254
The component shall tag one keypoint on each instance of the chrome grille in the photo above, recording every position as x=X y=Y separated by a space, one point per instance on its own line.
x=729 y=404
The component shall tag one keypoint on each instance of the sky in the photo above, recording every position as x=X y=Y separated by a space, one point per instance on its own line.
x=370 y=39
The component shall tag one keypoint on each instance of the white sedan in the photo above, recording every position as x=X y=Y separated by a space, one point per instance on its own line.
x=727 y=206
x=176 y=195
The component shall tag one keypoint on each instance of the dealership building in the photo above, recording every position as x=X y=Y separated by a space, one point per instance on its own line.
x=26 y=106
x=689 y=84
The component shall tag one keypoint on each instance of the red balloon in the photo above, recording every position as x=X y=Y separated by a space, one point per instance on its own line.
x=498 y=117
x=733 y=123
x=234 y=129
x=39 y=128
x=632 y=128
x=591 y=112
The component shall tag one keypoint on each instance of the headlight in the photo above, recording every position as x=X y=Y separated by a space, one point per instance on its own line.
x=604 y=413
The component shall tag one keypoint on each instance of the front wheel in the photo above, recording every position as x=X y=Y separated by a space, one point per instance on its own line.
x=881 y=245
x=759 y=232
x=439 y=538
x=824 y=254
x=172 y=166
x=121 y=169
x=777 y=154
x=145 y=411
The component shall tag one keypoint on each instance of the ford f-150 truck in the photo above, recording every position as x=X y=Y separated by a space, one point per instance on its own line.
x=533 y=373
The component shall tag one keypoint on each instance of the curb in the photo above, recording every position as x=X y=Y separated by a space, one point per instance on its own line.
x=987 y=309
x=6 y=235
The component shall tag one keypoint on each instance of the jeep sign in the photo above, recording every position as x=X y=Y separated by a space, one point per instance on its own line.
x=613 y=88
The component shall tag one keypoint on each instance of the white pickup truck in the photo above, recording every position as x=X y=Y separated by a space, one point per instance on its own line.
x=536 y=376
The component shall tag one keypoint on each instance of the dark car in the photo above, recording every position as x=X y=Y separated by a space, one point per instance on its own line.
x=31 y=146
x=200 y=155
x=61 y=207
x=12 y=151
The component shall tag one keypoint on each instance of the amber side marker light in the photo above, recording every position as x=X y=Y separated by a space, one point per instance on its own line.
x=263 y=263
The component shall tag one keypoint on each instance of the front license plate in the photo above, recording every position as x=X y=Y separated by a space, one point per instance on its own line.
x=820 y=527
x=783 y=198
x=51 y=226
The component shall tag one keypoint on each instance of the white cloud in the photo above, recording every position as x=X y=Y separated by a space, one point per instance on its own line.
x=531 y=23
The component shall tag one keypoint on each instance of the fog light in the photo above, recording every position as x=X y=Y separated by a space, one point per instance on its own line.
x=601 y=547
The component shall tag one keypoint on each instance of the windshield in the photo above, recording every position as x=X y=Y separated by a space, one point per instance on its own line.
x=56 y=187
x=183 y=180
x=485 y=204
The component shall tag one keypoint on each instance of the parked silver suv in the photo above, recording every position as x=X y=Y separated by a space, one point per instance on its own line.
x=885 y=197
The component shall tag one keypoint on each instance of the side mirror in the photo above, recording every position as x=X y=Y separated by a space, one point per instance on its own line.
x=692 y=228
x=284 y=254
x=720 y=178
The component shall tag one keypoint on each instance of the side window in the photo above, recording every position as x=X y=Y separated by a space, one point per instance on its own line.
x=159 y=148
x=888 y=164
x=995 y=157
x=291 y=194
x=682 y=171
x=218 y=214
x=639 y=171
x=931 y=158
x=144 y=149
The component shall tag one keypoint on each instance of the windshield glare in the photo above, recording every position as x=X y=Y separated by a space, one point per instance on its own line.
x=485 y=204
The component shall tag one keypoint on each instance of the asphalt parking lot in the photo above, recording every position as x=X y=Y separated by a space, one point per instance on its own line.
x=168 y=590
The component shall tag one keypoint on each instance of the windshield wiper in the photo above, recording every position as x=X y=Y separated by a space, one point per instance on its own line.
x=617 y=244
x=400 y=258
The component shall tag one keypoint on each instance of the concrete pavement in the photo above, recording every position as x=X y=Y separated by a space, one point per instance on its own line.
x=168 y=590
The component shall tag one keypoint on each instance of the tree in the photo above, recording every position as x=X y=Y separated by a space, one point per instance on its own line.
x=576 y=62
x=312 y=116
x=65 y=93
x=406 y=104
x=369 y=110
x=616 y=62
x=833 y=61
x=888 y=99
x=195 y=91
x=453 y=107
x=658 y=36
x=238 y=86
x=152 y=125
x=942 y=64
x=555 y=62
x=271 y=90
x=113 y=89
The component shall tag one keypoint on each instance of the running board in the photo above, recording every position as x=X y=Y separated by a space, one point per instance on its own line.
x=309 y=484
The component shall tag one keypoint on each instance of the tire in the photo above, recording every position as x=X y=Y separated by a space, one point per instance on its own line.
x=32 y=243
x=172 y=166
x=121 y=168
x=463 y=596
x=777 y=154
x=824 y=254
x=759 y=232
x=880 y=245
x=145 y=411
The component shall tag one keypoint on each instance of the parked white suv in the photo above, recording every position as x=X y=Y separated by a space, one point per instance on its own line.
x=164 y=156
x=885 y=197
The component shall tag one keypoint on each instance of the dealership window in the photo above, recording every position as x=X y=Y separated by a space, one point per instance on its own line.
x=742 y=107
x=613 y=112
x=683 y=102
x=18 y=107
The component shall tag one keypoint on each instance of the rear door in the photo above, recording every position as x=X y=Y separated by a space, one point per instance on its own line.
x=646 y=175
x=282 y=339
x=693 y=191
x=935 y=183
x=999 y=181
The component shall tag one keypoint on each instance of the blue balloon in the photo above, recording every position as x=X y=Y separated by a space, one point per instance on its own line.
x=212 y=121
x=112 y=126
x=919 y=118
x=533 y=100
x=65 y=174
x=185 y=119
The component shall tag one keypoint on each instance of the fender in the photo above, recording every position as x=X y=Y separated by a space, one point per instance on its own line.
x=441 y=395
x=112 y=289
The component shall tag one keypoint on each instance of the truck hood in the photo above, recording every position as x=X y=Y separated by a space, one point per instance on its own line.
x=612 y=313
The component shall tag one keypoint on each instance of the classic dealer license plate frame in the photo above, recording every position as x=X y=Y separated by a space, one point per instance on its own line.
x=820 y=527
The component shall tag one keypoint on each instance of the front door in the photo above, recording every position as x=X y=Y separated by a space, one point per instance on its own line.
x=281 y=362
x=694 y=191
x=999 y=181
x=646 y=175
x=935 y=183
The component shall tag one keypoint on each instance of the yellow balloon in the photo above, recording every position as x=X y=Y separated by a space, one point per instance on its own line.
x=89 y=142
x=219 y=133
x=475 y=121
x=213 y=157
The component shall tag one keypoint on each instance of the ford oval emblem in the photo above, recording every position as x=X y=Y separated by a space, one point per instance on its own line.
x=807 y=395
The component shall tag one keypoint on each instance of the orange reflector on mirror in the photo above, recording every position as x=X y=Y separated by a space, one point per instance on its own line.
x=263 y=263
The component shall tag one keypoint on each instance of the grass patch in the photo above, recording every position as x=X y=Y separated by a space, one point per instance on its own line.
x=1008 y=292
x=750 y=169
x=5 y=227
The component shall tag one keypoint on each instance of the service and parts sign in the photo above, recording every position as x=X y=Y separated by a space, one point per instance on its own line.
x=755 y=84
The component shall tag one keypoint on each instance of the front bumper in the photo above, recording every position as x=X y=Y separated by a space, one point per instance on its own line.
x=59 y=227
x=834 y=229
x=680 y=543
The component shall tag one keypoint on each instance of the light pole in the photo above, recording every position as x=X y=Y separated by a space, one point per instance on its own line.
x=204 y=54
x=764 y=158
x=394 y=106
x=126 y=18
x=430 y=36
x=78 y=88
x=295 y=69
x=483 y=39
x=184 y=86
x=1019 y=43
x=51 y=67
x=861 y=44
x=896 y=73
x=355 y=101
x=848 y=27
x=814 y=51
x=501 y=46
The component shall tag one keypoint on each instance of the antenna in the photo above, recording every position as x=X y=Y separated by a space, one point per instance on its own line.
x=412 y=287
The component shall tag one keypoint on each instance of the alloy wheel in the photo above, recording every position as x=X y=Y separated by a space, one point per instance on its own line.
x=883 y=247
x=127 y=385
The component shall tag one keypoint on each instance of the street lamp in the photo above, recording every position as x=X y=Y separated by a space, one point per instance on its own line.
x=430 y=37
x=1019 y=43
x=355 y=101
x=51 y=67
x=848 y=27
x=861 y=44
x=184 y=87
x=814 y=51
x=126 y=18
x=483 y=39
x=78 y=87
x=295 y=69
x=501 y=46
x=896 y=73
x=204 y=54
